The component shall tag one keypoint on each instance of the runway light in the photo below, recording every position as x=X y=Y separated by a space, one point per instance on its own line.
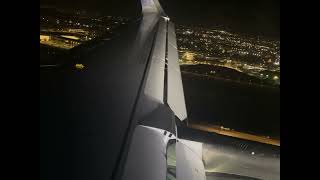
x=166 y=18
x=252 y=153
x=79 y=66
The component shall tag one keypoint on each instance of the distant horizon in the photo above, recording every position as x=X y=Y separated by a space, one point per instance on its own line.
x=275 y=36
x=207 y=26
x=256 y=17
x=230 y=30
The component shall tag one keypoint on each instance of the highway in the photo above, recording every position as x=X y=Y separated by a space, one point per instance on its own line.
x=232 y=133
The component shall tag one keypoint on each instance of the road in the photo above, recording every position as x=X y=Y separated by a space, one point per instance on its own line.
x=228 y=80
x=232 y=133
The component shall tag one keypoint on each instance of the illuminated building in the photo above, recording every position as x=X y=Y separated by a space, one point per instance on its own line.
x=44 y=38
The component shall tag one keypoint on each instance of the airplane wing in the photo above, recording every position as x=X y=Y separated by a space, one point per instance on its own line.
x=129 y=91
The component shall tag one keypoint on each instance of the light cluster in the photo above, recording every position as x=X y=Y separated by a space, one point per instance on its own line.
x=251 y=55
x=70 y=29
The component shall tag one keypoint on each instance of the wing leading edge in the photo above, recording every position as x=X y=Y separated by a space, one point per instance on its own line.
x=161 y=105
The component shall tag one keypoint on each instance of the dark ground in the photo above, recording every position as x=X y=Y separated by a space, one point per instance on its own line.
x=240 y=107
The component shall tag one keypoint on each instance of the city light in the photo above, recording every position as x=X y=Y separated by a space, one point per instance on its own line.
x=71 y=37
x=188 y=56
x=68 y=34
x=44 y=38
x=79 y=66
x=215 y=47
x=166 y=18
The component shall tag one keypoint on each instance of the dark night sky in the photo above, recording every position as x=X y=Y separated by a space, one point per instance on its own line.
x=255 y=17
x=106 y=7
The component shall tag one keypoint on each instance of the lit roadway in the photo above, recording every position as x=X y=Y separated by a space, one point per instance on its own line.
x=233 y=157
x=232 y=133
x=224 y=79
